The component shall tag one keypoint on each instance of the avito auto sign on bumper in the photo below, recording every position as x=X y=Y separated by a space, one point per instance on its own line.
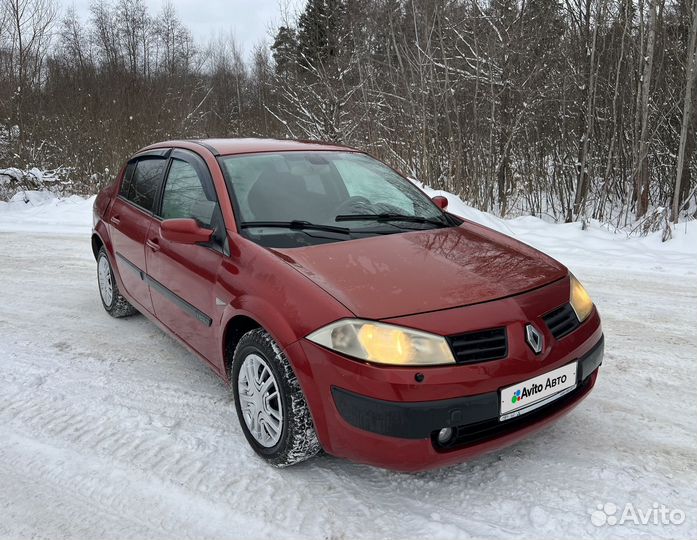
x=533 y=393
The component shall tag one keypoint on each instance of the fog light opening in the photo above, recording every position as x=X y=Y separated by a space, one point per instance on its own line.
x=444 y=435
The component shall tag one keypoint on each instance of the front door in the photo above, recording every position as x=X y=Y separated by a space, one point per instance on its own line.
x=183 y=277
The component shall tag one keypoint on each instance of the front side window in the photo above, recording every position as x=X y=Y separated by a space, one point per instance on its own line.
x=141 y=185
x=315 y=192
x=189 y=193
x=184 y=195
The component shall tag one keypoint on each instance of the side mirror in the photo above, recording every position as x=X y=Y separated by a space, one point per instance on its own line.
x=184 y=231
x=440 y=201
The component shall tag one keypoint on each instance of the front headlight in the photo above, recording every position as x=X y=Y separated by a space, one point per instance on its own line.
x=383 y=343
x=580 y=300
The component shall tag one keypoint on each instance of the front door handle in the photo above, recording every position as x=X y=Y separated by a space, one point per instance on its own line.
x=153 y=244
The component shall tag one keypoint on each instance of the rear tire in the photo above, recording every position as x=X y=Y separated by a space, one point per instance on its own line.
x=114 y=304
x=270 y=404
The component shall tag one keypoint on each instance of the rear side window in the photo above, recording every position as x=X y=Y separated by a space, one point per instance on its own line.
x=127 y=177
x=142 y=181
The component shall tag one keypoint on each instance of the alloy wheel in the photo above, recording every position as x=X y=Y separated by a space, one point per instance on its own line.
x=260 y=400
x=106 y=288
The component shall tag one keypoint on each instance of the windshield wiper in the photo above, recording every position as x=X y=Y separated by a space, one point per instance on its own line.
x=385 y=217
x=296 y=224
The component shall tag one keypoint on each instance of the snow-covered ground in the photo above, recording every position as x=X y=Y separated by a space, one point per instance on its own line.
x=110 y=429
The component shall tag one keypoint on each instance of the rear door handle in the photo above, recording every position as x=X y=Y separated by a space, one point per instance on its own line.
x=153 y=244
x=115 y=219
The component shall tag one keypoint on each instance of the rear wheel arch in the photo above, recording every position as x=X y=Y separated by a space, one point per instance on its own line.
x=97 y=244
x=113 y=301
x=99 y=235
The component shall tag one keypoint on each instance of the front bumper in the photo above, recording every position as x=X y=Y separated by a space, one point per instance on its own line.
x=473 y=418
x=386 y=417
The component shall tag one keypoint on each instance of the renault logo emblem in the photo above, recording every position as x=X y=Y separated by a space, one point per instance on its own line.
x=534 y=338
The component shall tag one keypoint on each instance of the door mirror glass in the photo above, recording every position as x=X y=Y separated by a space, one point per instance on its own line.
x=184 y=231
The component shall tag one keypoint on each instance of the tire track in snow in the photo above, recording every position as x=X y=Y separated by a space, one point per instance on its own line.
x=102 y=502
x=110 y=429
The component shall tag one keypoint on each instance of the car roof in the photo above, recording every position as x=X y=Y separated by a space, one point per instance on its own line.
x=224 y=147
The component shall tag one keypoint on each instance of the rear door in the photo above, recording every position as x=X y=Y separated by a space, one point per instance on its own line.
x=130 y=219
x=183 y=277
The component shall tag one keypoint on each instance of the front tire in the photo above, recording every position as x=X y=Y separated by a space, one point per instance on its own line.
x=270 y=405
x=114 y=304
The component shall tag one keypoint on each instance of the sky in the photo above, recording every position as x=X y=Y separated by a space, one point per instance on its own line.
x=250 y=21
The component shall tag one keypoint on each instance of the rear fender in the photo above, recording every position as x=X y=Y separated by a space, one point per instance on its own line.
x=100 y=233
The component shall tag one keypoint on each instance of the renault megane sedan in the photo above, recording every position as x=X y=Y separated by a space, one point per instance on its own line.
x=348 y=311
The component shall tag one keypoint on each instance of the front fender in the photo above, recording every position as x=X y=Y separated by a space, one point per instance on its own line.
x=265 y=314
x=256 y=283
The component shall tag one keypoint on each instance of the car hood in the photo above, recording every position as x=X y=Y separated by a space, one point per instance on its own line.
x=402 y=274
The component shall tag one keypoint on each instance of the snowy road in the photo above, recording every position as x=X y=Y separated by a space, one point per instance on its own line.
x=109 y=429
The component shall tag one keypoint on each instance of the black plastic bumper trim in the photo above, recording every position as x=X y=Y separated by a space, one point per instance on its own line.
x=592 y=360
x=413 y=420
x=418 y=420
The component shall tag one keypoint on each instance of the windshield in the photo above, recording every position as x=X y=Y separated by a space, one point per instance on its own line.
x=300 y=198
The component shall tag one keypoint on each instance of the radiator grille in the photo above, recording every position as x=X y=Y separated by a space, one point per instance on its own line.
x=562 y=321
x=479 y=346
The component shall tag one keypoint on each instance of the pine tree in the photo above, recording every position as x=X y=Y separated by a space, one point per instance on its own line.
x=284 y=50
x=320 y=32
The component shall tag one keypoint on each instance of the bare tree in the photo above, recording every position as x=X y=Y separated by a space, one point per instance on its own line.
x=539 y=107
x=105 y=35
x=690 y=77
x=74 y=42
x=29 y=36
x=174 y=39
x=227 y=80
x=591 y=86
x=133 y=25
x=641 y=154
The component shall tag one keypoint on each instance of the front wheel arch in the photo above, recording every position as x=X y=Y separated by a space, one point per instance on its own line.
x=236 y=321
x=235 y=328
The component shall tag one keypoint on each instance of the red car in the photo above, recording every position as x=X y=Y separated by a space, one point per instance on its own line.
x=348 y=311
